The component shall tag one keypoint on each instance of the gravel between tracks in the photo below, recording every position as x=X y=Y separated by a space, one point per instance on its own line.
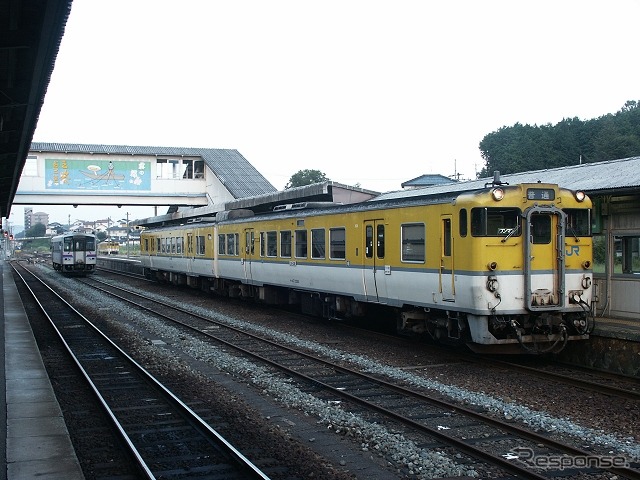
x=567 y=413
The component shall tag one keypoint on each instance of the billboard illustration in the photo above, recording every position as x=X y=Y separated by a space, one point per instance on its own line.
x=100 y=175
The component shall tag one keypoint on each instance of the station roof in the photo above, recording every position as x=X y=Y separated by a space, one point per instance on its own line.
x=238 y=176
x=30 y=35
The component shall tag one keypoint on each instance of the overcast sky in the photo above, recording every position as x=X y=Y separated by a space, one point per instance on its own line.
x=369 y=92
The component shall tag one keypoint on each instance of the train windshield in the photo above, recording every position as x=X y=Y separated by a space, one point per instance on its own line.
x=495 y=222
x=91 y=243
x=578 y=222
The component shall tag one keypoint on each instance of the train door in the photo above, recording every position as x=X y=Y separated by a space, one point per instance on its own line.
x=190 y=252
x=544 y=257
x=248 y=253
x=374 y=270
x=447 y=286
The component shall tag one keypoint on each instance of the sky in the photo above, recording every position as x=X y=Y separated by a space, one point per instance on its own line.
x=370 y=92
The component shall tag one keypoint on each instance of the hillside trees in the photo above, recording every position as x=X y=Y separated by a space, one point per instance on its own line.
x=525 y=147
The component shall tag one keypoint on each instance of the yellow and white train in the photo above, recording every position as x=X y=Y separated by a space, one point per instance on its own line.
x=504 y=268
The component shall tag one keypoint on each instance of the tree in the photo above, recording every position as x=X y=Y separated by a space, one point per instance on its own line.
x=38 y=230
x=101 y=236
x=305 y=177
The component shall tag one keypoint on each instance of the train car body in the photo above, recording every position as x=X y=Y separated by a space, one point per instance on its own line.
x=504 y=269
x=108 y=247
x=74 y=253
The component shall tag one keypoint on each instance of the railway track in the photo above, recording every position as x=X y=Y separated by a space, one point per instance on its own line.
x=164 y=436
x=484 y=441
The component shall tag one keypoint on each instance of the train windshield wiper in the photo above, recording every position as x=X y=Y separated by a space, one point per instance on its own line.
x=513 y=231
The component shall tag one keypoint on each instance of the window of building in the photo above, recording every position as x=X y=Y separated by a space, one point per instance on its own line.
x=627 y=254
x=30 y=166
x=318 y=244
x=301 y=244
x=413 y=242
x=337 y=243
x=285 y=244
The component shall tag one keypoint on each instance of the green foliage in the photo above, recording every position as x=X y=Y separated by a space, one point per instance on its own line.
x=101 y=236
x=38 y=230
x=522 y=148
x=305 y=177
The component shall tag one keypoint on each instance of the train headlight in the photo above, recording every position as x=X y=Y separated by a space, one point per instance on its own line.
x=580 y=196
x=497 y=194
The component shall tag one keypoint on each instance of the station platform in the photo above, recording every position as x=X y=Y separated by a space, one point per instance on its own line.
x=36 y=442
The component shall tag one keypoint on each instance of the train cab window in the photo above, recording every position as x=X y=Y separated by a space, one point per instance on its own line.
x=578 y=222
x=68 y=244
x=413 y=242
x=318 y=243
x=301 y=244
x=495 y=222
x=285 y=244
x=272 y=244
x=540 y=228
x=462 y=218
x=337 y=244
x=91 y=244
x=222 y=245
x=380 y=241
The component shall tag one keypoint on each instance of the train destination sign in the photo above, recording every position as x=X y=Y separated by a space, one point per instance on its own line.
x=541 y=194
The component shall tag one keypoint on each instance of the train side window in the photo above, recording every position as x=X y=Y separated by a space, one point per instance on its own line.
x=146 y=244
x=263 y=244
x=413 y=242
x=462 y=218
x=285 y=244
x=163 y=245
x=380 y=241
x=301 y=244
x=179 y=244
x=318 y=243
x=337 y=244
x=173 y=244
x=368 y=238
x=222 y=244
x=272 y=244
x=231 y=244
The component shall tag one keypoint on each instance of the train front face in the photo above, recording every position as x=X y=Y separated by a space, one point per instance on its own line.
x=79 y=254
x=532 y=246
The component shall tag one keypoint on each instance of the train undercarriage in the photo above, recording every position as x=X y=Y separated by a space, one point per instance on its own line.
x=533 y=333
